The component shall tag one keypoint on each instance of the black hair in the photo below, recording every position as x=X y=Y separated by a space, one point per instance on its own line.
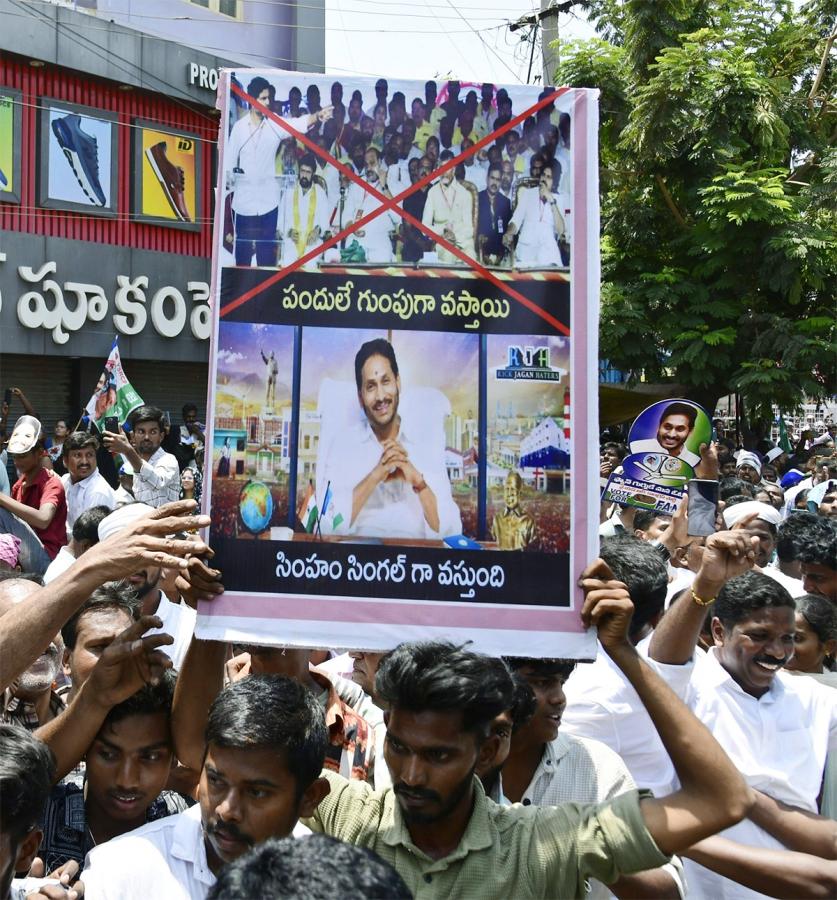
x=317 y=868
x=78 y=440
x=147 y=413
x=680 y=409
x=541 y=667
x=495 y=167
x=445 y=155
x=818 y=543
x=821 y=614
x=276 y=712
x=189 y=407
x=112 y=595
x=86 y=526
x=644 y=518
x=621 y=449
x=307 y=159
x=27 y=769
x=791 y=532
x=376 y=347
x=524 y=702
x=732 y=486
x=256 y=86
x=439 y=676
x=149 y=700
x=641 y=568
x=746 y=593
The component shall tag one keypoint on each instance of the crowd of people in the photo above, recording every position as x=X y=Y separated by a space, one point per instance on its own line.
x=506 y=204
x=695 y=757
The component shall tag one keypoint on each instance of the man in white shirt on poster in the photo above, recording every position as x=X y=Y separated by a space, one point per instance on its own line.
x=386 y=480
x=538 y=222
x=305 y=213
x=449 y=211
x=251 y=176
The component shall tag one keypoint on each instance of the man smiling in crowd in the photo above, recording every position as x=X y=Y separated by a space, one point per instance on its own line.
x=84 y=485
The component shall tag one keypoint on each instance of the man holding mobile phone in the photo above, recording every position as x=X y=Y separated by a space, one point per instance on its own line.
x=156 y=473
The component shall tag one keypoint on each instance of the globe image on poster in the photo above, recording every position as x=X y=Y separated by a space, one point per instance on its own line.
x=255 y=506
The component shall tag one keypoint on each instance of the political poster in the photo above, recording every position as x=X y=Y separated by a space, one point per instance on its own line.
x=167 y=173
x=10 y=137
x=403 y=364
x=664 y=443
x=78 y=149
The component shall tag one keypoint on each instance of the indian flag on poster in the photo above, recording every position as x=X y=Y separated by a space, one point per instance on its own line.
x=114 y=395
x=307 y=512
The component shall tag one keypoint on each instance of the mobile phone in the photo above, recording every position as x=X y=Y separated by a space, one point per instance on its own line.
x=7 y=397
x=167 y=419
x=703 y=507
x=112 y=424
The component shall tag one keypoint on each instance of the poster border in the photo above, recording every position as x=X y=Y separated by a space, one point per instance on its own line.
x=139 y=126
x=46 y=105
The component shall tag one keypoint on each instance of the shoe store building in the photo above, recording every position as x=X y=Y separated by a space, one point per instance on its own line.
x=107 y=167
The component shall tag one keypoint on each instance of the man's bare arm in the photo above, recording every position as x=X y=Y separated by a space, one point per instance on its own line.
x=654 y=884
x=713 y=795
x=199 y=682
x=29 y=625
x=34 y=518
x=777 y=873
x=796 y=828
x=726 y=555
x=124 y=667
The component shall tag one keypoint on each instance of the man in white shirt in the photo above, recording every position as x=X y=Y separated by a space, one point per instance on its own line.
x=538 y=221
x=776 y=728
x=156 y=473
x=305 y=210
x=385 y=480
x=251 y=176
x=178 y=619
x=376 y=235
x=84 y=485
x=449 y=211
x=84 y=535
x=265 y=747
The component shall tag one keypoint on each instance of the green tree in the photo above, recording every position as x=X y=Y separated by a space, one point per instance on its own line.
x=719 y=191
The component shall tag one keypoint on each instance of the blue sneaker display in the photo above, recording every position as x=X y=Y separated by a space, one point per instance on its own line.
x=82 y=152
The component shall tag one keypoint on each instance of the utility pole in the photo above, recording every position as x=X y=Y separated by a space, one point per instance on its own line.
x=549 y=34
x=547 y=19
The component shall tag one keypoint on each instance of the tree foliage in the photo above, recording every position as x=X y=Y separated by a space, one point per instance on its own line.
x=719 y=192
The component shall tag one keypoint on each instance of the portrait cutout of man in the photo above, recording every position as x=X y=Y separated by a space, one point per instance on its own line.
x=387 y=475
x=513 y=529
x=676 y=424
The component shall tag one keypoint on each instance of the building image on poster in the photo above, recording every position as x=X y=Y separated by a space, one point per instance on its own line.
x=168 y=170
x=400 y=351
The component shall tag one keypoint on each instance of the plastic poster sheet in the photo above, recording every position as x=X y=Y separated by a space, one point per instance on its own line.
x=402 y=398
x=10 y=137
x=664 y=444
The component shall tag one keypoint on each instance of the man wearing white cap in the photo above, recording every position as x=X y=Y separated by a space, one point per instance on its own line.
x=761 y=520
x=36 y=512
x=178 y=619
x=748 y=467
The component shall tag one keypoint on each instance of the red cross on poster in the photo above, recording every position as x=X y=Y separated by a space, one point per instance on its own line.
x=405 y=287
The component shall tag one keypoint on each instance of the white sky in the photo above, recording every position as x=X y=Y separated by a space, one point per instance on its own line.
x=390 y=39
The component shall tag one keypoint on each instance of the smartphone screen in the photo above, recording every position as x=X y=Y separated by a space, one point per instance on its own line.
x=7 y=396
x=112 y=424
x=703 y=507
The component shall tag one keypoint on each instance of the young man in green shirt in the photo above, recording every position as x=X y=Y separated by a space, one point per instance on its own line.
x=445 y=838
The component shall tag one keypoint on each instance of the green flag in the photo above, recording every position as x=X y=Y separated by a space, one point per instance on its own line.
x=784 y=440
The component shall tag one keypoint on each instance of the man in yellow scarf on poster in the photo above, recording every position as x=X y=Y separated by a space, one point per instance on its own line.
x=305 y=214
